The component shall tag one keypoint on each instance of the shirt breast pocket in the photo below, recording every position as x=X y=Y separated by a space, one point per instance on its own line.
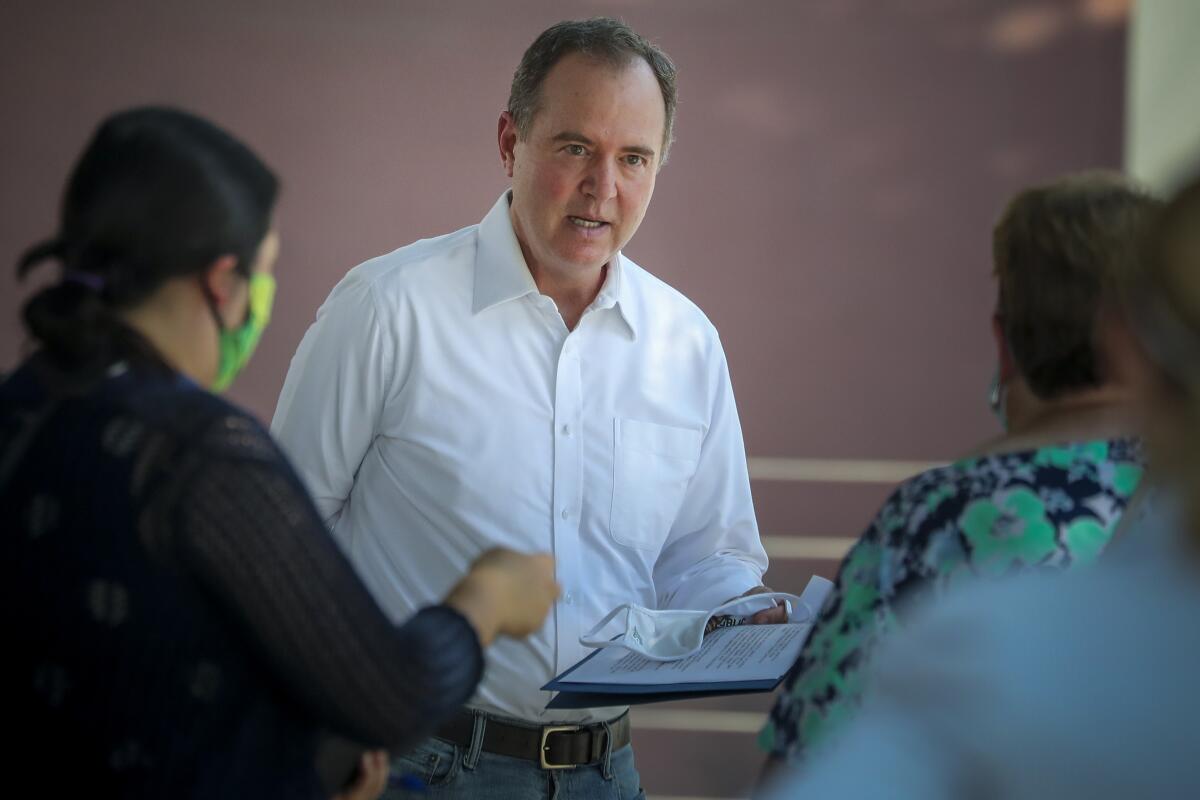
x=652 y=465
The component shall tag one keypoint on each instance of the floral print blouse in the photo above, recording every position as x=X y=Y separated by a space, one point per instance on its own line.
x=986 y=517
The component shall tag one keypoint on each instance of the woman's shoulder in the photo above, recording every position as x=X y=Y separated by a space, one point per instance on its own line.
x=1065 y=456
x=1114 y=461
x=1054 y=505
x=945 y=498
x=137 y=397
x=924 y=495
x=1082 y=468
x=173 y=405
x=914 y=530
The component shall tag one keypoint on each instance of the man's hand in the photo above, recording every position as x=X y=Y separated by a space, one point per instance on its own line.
x=768 y=616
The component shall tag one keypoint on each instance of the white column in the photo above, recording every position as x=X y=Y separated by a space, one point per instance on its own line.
x=1162 y=114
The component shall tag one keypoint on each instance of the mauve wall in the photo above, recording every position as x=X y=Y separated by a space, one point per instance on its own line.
x=828 y=203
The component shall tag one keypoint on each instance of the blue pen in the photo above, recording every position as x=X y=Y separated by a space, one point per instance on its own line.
x=408 y=781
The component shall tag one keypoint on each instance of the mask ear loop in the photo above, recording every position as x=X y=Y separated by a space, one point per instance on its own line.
x=590 y=639
x=212 y=303
x=212 y=306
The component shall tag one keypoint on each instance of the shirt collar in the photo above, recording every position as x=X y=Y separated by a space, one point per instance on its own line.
x=500 y=270
x=617 y=292
x=501 y=273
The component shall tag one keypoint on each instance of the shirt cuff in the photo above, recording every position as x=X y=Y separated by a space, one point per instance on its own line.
x=710 y=588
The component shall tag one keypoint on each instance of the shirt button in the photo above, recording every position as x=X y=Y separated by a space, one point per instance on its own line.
x=569 y=599
x=566 y=513
x=566 y=430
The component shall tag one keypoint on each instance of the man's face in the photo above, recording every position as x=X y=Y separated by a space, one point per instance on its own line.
x=583 y=177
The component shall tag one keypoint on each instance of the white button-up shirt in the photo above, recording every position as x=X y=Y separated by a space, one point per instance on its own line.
x=439 y=406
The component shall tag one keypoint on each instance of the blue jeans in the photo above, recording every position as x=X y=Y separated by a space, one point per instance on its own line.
x=439 y=770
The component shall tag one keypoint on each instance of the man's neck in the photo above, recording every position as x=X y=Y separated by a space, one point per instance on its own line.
x=572 y=294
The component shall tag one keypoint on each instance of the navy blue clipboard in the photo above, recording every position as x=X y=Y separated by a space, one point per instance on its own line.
x=593 y=695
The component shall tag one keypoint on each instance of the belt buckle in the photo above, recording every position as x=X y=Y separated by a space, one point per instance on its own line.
x=546 y=731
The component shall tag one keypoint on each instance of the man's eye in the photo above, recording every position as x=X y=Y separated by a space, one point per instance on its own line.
x=635 y=160
x=575 y=149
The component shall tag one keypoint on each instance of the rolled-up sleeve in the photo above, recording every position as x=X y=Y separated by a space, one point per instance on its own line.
x=713 y=552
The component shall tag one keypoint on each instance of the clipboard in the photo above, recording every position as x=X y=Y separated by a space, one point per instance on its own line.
x=573 y=694
x=744 y=659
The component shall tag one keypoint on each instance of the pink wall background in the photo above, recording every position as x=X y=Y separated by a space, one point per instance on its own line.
x=829 y=201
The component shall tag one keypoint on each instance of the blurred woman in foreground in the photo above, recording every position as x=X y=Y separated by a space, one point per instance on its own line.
x=183 y=626
x=1045 y=495
x=1080 y=686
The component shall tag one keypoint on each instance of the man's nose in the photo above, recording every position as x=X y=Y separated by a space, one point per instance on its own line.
x=600 y=183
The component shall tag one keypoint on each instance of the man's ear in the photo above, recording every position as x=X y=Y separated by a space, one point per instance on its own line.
x=218 y=279
x=1004 y=357
x=506 y=135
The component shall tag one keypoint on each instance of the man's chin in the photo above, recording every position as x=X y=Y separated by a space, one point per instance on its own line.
x=589 y=260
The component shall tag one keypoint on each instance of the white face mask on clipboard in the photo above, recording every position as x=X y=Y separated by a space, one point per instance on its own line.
x=670 y=635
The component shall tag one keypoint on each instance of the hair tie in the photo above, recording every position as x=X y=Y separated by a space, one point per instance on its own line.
x=89 y=279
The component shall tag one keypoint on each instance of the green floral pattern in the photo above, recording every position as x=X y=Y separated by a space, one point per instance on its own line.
x=987 y=517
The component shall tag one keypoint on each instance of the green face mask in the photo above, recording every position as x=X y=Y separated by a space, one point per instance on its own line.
x=238 y=345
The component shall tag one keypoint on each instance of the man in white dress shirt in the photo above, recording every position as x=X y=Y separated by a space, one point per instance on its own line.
x=521 y=383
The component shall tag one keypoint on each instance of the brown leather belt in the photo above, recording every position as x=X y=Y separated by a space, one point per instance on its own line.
x=551 y=746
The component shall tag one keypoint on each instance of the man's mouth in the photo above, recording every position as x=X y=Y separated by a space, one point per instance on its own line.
x=585 y=223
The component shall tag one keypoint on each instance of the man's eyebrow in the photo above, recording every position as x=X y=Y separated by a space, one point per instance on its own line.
x=573 y=136
x=648 y=152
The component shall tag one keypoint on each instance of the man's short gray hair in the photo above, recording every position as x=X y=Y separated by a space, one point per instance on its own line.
x=602 y=38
